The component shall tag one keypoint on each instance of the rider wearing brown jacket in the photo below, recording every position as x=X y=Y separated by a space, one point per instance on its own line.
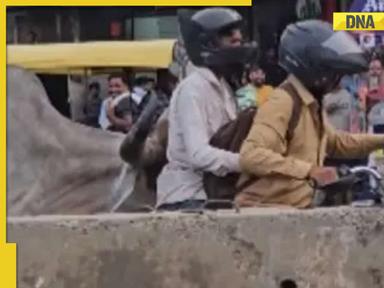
x=316 y=58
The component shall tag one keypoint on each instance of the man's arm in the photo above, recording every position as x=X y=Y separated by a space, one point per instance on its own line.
x=192 y=121
x=262 y=152
x=346 y=145
x=124 y=123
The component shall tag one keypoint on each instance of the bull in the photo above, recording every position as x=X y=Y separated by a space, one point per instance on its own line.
x=56 y=166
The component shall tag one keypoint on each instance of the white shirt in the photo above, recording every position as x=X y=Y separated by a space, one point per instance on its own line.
x=200 y=105
x=103 y=119
x=138 y=94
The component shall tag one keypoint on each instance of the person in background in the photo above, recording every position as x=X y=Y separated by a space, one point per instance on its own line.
x=345 y=113
x=257 y=79
x=118 y=89
x=151 y=84
x=141 y=93
x=374 y=84
x=124 y=114
x=93 y=105
x=376 y=126
x=256 y=92
x=351 y=83
x=246 y=95
x=376 y=118
x=143 y=83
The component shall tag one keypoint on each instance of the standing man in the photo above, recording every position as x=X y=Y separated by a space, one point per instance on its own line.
x=345 y=113
x=126 y=112
x=375 y=84
x=200 y=105
x=256 y=92
x=93 y=104
x=257 y=79
x=118 y=89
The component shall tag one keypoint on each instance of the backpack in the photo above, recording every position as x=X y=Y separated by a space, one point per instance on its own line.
x=230 y=138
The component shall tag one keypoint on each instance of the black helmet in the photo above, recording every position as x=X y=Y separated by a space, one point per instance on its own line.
x=200 y=32
x=311 y=49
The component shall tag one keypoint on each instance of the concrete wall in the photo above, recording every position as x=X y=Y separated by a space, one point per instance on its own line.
x=257 y=248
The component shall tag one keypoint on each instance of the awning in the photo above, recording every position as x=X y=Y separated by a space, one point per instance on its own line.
x=63 y=58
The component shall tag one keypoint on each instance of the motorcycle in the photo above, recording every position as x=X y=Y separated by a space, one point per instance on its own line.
x=359 y=186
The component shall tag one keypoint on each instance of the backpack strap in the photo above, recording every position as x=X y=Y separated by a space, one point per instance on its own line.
x=296 y=109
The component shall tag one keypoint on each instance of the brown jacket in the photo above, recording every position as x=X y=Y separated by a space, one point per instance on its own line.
x=283 y=167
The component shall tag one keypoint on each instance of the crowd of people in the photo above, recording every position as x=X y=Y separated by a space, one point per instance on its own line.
x=327 y=72
x=356 y=105
x=125 y=102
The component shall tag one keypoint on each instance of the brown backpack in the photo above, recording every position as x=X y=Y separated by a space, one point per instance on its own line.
x=230 y=138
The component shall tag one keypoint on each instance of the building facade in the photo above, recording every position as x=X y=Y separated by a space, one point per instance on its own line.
x=264 y=21
x=71 y=24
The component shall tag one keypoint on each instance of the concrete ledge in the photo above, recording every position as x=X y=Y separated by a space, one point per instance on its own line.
x=324 y=248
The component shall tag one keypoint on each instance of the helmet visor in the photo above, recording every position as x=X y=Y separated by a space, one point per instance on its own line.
x=246 y=53
x=342 y=54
